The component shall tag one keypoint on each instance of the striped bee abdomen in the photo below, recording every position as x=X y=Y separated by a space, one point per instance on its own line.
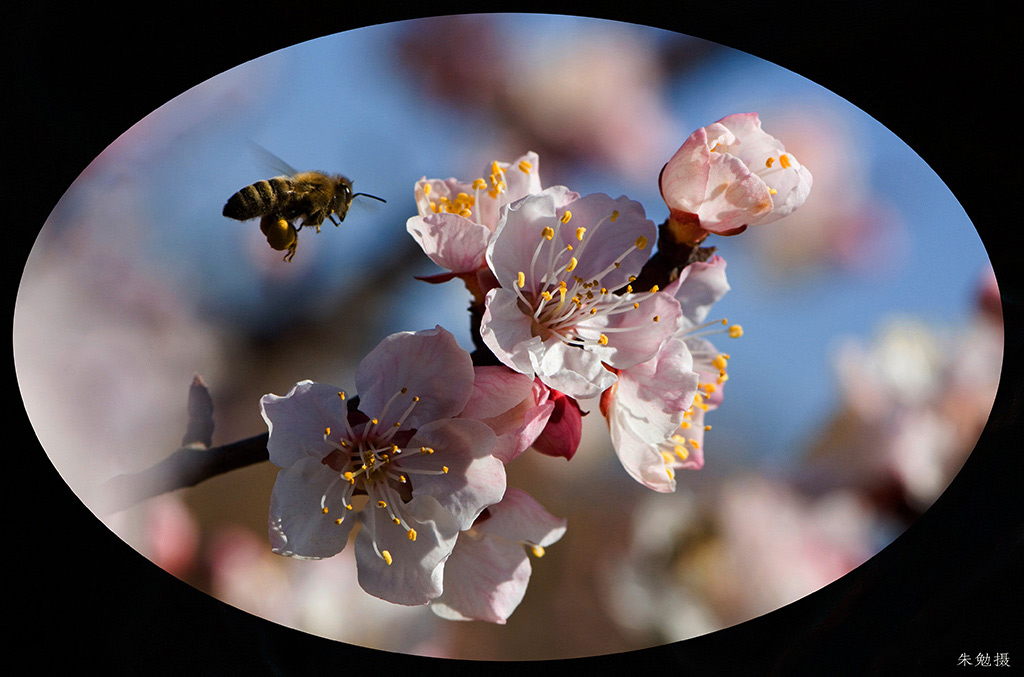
x=259 y=198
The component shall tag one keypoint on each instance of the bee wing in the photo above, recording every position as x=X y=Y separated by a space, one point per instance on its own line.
x=272 y=161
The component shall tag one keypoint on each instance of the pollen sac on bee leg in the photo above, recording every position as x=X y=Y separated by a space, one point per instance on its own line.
x=281 y=234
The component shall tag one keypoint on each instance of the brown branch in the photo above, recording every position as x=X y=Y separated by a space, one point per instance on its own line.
x=186 y=467
x=192 y=463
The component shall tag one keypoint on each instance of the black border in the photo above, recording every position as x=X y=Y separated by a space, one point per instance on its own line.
x=940 y=79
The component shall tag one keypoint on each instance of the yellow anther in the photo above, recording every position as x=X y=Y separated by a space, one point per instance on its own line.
x=735 y=331
x=670 y=472
x=479 y=184
x=341 y=395
x=657 y=317
x=525 y=166
x=769 y=162
x=496 y=170
x=593 y=311
x=339 y=520
x=635 y=305
x=655 y=289
x=666 y=457
x=641 y=242
x=615 y=215
x=772 y=191
x=521 y=279
x=717 y=148
x=324 y=510
x=566 y=217
x=412 y=534
x=707 y=428
x=427 y=188
x=603 y=340
x=444 y=469
x=572 y=265
x=629 y=289
x=682 y=452
x=784 y=161
x=396 y=520
x=579 y=233
x=349 y=477
x=719 y=362
x=538 y=551
x=466 y=213
x=327 y=431
x=546 y=295
x=694 y=443
x=547 y=233
x=387 y=556
x=375 y=421
x=426 y=450
x=684 y=425
x=382 y=504
x=348 y=506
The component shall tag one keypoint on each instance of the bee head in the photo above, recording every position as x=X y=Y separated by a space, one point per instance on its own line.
x=342 y=196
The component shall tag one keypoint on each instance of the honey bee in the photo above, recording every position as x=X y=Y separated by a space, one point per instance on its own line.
x=281 y=201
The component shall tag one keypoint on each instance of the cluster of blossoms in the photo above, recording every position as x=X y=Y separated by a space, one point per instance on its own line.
x=565 y=310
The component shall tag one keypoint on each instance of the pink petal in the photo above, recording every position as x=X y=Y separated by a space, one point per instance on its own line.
x=298 y=526
x=451 y=241
x=297 y=421
x=606 y=240
x=507 y=331
x=518 y=234
x=700 y=285
x=475 y=478
x=646 y=336
x=656 y=393
x=415 y=574
x=428 y=364
x=487 y=574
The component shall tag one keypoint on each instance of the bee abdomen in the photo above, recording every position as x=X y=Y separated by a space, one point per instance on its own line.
x=258 y=199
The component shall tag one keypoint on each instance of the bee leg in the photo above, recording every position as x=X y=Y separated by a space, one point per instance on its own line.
x=331 y=217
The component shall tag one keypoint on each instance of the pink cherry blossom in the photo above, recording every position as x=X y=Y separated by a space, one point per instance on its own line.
x=556 y=314
x=730 y=175
x=486 y=576
x=456 y=219
x=656 y=409
x=426 y=474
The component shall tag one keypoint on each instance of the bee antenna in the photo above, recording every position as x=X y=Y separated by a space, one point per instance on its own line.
x=368 y=195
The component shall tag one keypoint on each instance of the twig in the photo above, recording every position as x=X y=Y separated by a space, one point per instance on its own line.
x=192 y=463
x=186 y=467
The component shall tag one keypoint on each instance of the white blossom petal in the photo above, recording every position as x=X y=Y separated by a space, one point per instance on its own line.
x=298 y=526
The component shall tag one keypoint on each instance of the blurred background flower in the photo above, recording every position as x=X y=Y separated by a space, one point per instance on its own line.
x=137 y=282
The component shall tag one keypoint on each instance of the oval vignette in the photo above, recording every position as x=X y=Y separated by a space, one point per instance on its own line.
x=134 y=357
